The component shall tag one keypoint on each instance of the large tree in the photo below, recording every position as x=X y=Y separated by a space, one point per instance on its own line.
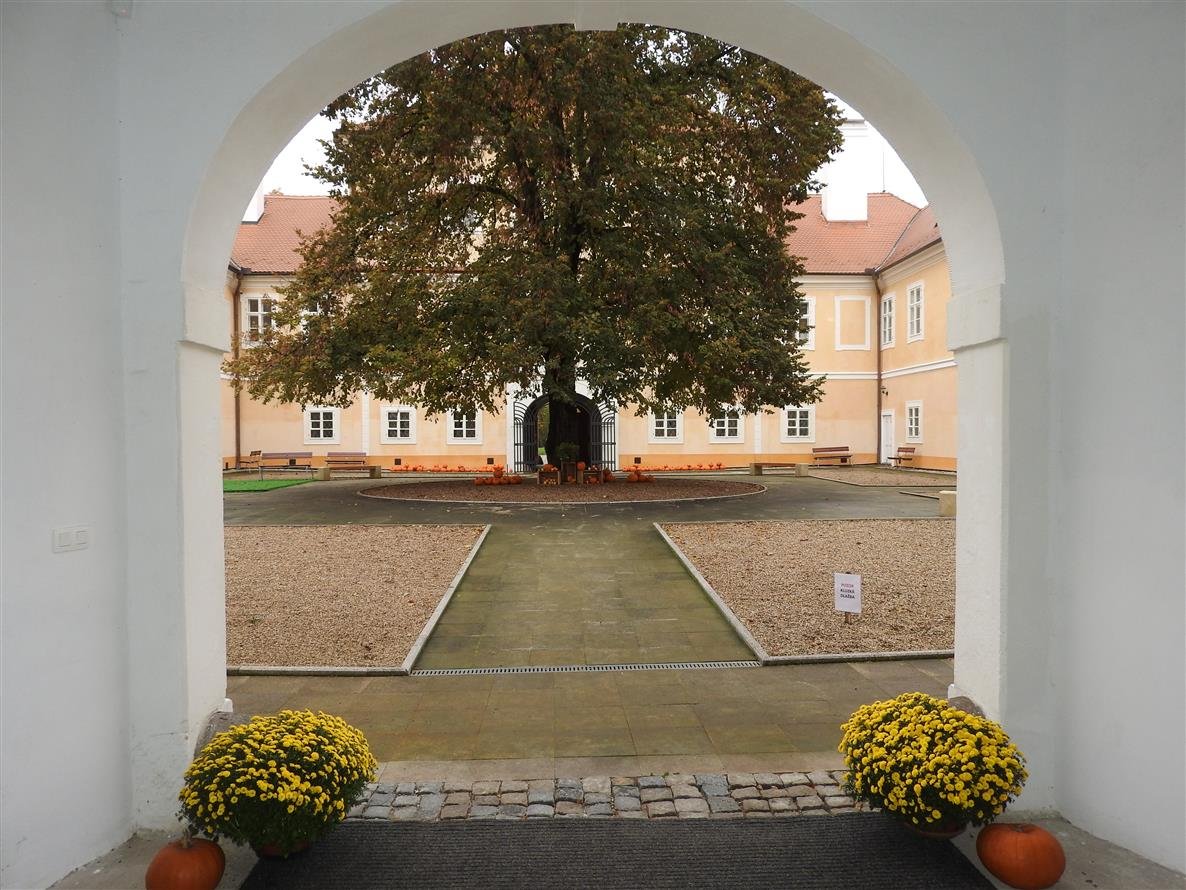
x=535 y=205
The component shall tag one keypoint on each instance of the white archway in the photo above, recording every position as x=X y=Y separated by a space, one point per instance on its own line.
x=785 y=33
x=131 y=142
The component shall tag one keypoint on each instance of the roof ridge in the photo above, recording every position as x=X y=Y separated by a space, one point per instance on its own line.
x=898 y=240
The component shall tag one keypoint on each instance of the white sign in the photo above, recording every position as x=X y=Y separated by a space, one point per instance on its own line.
x=847 y=592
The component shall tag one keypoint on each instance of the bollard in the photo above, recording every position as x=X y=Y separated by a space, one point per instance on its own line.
x=947 y=503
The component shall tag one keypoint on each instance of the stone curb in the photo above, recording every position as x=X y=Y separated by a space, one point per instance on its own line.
x=669 y=796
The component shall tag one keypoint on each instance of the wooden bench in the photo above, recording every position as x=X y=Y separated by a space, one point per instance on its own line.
x=841 y=453
x=250 y=462
x=347 y=462
x=905 y=453
x=273 y=461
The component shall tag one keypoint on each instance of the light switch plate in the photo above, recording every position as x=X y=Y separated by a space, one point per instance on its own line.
x=71 y=537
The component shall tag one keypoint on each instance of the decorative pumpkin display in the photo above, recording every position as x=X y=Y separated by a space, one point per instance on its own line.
x=187 y=864
x=580 y=465
x=1022 y=855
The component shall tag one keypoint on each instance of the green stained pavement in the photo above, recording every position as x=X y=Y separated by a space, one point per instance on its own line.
x=605 y=723
x=578 y=592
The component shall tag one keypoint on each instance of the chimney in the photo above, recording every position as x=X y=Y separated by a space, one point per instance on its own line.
x=845 y=196
x=255 y=208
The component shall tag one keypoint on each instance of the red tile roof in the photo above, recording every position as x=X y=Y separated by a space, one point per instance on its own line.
x=895 y=229
x=852 y=247
x=270 y=245
x=923 y=231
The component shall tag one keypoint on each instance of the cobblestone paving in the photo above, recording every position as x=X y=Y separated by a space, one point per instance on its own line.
x=670 y=796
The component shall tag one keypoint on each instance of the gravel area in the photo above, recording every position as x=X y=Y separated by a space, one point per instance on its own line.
x=662 y=489
x=884 y=476
x=336 y=595
x=777 y=578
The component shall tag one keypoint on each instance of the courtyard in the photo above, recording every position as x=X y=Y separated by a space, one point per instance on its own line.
x=643 y=673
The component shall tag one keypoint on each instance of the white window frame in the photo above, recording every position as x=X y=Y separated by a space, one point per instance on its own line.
x=654 y=438
x=715 y=436
x=807 y=340
x=266 y=303
x=840 y=345
x=452 y=439
x=886 y=321
x=784 y=436
x=918 y=432
x=384 y=426
x=307 y=422
x=914 y=305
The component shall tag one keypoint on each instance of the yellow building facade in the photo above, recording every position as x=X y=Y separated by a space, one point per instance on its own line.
x=876 y=288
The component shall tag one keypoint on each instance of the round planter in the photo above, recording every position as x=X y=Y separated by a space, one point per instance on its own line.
x=937 y=832
x=277 y=851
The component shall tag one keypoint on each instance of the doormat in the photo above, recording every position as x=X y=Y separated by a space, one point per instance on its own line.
x=865 y=850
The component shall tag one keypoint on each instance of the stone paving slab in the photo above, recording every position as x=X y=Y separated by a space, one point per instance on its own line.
x=574 y=592
x=708 y=721
x=673 y=795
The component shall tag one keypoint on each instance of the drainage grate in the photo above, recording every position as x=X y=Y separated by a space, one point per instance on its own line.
x=584 y=668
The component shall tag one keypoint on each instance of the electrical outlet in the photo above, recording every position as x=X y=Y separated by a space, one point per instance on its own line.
x=71 y=537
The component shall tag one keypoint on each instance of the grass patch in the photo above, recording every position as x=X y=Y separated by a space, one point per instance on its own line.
x=259 y=484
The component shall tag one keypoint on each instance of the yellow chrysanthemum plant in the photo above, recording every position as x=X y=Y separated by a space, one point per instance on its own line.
x=277 y=782
x=929 y=763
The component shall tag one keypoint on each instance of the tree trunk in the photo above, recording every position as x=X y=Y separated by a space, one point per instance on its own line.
x=567 y=420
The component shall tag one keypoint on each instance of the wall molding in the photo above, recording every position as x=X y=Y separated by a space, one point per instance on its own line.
x=919 y=369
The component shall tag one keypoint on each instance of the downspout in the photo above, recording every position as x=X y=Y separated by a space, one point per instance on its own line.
x=238 y=273
x=877 y=347
x=875 y=271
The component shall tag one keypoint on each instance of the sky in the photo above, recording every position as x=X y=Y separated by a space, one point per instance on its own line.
x=876 y=163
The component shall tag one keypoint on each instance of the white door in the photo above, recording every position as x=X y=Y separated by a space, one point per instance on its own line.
x=888 y=448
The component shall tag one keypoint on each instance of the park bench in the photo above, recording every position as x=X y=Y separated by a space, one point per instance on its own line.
x=348 y=462
x=905 y=453
x=250 y=462
x=840 y=453
x=273 y=461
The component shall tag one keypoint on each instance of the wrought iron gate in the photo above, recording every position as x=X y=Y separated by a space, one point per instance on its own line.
x=603 y=434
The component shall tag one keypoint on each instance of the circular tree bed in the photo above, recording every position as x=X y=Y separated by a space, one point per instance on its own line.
x=662 y=489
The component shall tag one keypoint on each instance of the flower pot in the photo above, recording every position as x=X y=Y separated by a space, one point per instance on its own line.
x=277 y=851
x=937 y=831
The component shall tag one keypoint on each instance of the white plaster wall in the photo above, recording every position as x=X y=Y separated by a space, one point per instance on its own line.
x=1118 y=537
x=199 y=121
x=65 y=793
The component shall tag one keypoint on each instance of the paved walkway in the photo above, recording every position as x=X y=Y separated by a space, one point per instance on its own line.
x=587 y=591
x=532 y=726
x=681 y=795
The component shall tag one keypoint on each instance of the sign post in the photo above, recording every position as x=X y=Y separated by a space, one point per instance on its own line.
x=847 y=594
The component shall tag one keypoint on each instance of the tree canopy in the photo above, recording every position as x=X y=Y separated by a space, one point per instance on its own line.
x=529 y=206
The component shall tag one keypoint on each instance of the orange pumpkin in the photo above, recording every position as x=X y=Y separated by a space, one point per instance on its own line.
x=186 y=864
x=1022 y=855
